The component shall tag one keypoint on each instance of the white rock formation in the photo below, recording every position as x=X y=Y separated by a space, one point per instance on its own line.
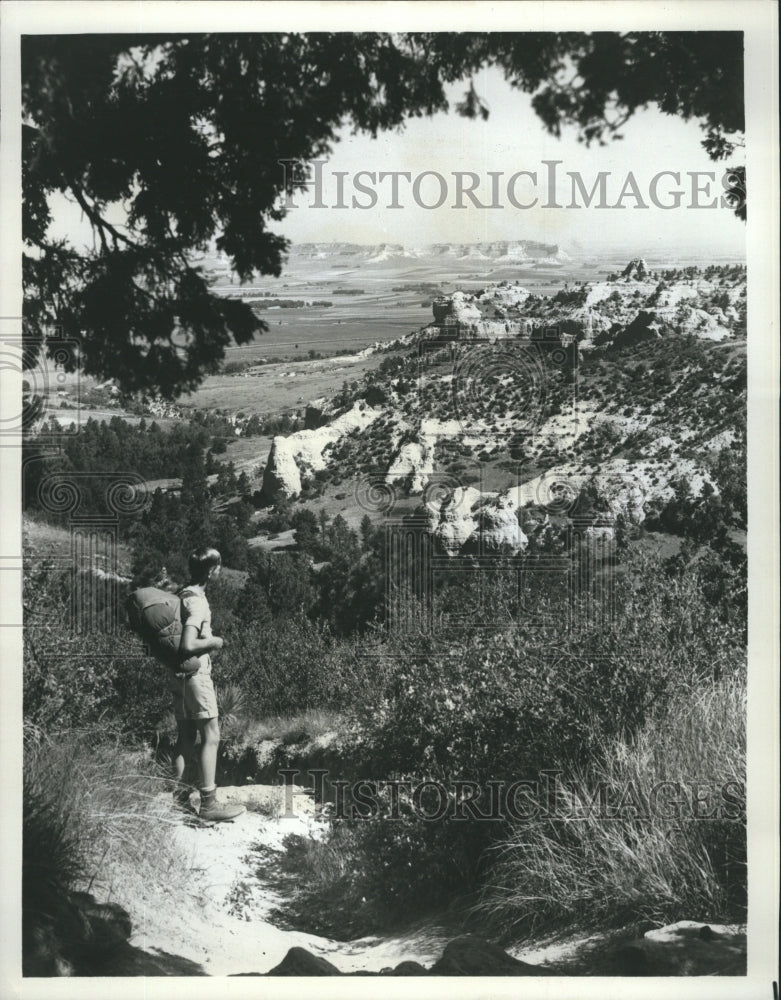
x=414 y=462
x=463 y=308
x=281 y=478
x=467 y=513
x=627 y=487
x=499 y=525
x=415 y=458
x=454 y=521
x=301 y=453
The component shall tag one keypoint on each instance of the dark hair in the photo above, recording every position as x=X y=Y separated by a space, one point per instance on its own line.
x=201 y=563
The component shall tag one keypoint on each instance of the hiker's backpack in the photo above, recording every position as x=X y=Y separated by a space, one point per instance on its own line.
x=156 y=616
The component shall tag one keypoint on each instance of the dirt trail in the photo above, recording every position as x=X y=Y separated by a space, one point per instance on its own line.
x=223 y=920
x=225 y=927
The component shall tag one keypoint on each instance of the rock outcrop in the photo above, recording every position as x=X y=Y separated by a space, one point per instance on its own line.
x=635 y=269
x=472 y=956
x=300 y=962
x=458 y=309
x=686 y=948
x=645 y=326
x=491 y=314
x=625 y=487
x=465 y=956
x=281 y=478
x=454 y=521
x=298 y=455
x=413 y=464
x=500 y=530
x=468 y=518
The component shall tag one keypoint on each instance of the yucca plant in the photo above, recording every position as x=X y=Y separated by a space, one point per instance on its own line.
x=232 y=703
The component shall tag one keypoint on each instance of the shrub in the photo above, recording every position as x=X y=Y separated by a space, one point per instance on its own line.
x=289 y=664
x=657 y=868
x=99 y=676
x=482 y=700
x=371 y=876
x=484 y=703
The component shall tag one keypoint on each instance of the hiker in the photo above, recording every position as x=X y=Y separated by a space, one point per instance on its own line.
x=195 y=703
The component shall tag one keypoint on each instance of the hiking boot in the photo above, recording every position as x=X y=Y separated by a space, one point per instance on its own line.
x=215 y=813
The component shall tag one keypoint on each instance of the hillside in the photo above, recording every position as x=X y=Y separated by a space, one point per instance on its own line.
x=631 y=386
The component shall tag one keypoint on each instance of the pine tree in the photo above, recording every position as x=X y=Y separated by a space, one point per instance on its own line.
x=195 y=499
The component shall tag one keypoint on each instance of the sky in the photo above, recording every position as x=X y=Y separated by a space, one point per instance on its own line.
x=512 y=139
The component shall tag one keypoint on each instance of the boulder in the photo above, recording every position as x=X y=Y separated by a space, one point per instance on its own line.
x=473 y=956
x=686 y=948
x=300 y=962
x=82 y=937
x=407 y=969
x=465 y=956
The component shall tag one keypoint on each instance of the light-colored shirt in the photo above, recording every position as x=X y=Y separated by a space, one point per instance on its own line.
x=196 y=612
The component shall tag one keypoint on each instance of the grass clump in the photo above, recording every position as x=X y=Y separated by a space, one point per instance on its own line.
x=297 y=727
x=94 y=821
x=668 y=860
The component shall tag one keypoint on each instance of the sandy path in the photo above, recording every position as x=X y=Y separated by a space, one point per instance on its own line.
x=225 y=926
x=222 y=920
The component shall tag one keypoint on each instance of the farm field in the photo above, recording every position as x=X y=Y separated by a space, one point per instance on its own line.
x=278 y=388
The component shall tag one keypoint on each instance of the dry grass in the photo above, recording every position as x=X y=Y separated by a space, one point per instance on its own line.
x=105 y=800
x=289 y=729
x=50 y=541
x=569 y=871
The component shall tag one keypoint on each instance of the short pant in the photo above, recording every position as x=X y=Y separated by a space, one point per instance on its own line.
x=193 y=696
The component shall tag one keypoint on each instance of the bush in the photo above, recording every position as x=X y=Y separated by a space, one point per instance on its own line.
x=482 y=703
x=371 y=876
x=489 y=702
x=97 y=677
x=560 y=871
x=288 y=664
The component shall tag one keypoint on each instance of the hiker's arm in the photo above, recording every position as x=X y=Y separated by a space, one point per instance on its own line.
x=193 y=645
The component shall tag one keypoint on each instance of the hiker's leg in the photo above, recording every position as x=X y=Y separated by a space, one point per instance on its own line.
x=187 y=731
x=210 y=810
x=210 y=744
